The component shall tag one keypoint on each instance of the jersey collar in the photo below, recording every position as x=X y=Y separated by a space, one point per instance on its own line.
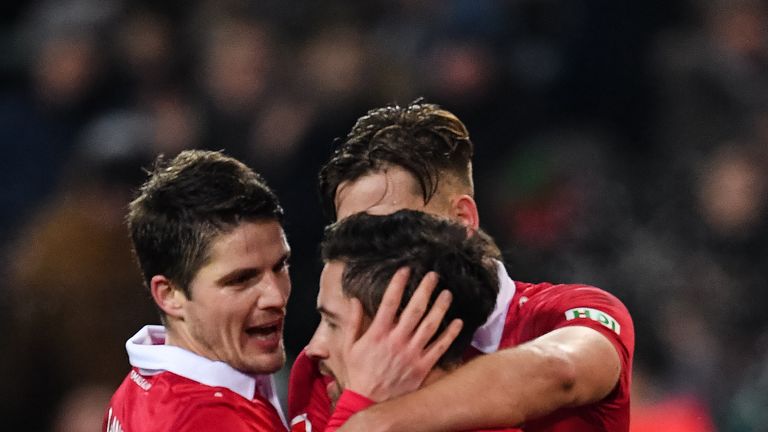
x=148 y=352
x=488 y=336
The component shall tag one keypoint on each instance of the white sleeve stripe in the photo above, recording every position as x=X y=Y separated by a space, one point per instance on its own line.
x=302 y=418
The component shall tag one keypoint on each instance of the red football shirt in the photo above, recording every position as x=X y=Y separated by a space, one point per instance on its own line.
x=170 y=389
x=537 y=309
x=523 y=312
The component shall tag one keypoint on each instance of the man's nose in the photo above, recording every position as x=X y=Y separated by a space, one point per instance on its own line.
x=275 y=292
x=316 y=348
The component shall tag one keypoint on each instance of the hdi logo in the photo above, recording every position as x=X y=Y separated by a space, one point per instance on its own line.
x=596 y=315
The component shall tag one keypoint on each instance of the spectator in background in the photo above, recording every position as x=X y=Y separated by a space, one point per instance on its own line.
x=72 y=278
x=40 y=118
x=235 y=76
x=747 y=412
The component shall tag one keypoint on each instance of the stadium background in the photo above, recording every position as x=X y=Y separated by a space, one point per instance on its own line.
x=621 y=144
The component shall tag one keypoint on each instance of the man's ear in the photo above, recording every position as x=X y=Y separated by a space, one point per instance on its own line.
x=464 y=209
x=167 y=297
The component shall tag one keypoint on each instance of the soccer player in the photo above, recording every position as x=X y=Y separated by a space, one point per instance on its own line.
x=207 y=233
x=559 y=356
x=362 y=253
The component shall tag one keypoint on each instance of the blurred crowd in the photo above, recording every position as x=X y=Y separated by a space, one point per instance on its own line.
x=620 y=144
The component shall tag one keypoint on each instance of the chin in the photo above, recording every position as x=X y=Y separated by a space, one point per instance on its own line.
x=273 y=362
x=334 y=393
x=264 y=363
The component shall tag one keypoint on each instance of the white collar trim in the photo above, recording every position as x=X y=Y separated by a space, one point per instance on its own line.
x=148 y=352
x=488 y=336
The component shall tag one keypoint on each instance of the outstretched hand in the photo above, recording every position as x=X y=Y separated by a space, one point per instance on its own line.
x=394 y=355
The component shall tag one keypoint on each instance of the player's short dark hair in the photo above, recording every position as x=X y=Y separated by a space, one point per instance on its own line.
x=185 y=204
x=422 y=138
x=373 y=247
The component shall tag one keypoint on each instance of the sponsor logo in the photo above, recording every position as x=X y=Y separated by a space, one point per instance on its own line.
x=140 y=381
x=113 y=424
x=595 y=315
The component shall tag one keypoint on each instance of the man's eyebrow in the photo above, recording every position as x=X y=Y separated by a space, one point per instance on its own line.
x=249 y=272
x=326 y=312
x=242 y=273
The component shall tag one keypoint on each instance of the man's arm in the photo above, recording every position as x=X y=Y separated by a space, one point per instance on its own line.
x=570 y=366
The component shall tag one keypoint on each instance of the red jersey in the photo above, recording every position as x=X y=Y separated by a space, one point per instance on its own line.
x=523 y=312
x=537 y=309
x=171 y=389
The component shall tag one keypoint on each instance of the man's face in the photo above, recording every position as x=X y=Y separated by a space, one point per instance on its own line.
x=326 y=344
x=238 y=298
x=384 y=192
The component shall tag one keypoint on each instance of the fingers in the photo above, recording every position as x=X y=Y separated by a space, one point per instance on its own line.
x=390 y=302
x=354 y=324
x=443 y=342
x=417 y=305
x=431 y=322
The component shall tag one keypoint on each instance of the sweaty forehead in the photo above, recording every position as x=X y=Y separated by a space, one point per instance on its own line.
x=381 y=192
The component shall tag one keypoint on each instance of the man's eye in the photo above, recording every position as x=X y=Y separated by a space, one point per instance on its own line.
x=331 y=325
x=282 y=266
x=239 y=280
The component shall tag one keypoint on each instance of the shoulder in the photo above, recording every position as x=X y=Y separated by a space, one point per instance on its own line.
x=304 y=366
x=304 y=377
x=543 y=307
x=308 y=399
x=200 y=407
x=214 y=408
x=174 y=403
x=562 y=297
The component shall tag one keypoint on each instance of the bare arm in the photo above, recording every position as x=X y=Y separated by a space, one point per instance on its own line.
x=571 y=366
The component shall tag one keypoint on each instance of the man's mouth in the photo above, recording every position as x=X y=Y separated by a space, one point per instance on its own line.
x=325 y=370
x=332 y=387
x=263 y=331
x=266 y=335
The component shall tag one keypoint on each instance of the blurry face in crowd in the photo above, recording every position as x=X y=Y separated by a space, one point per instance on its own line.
x=387 y=191
x=335 y=309
x=238 y=299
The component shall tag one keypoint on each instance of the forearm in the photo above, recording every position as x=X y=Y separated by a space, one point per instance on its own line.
x=483 y=393
x=504 y=389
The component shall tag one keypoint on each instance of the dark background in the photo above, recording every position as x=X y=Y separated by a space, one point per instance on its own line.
x=620 y=144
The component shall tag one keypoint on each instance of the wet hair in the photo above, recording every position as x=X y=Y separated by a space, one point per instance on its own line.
x=185 y=204
x=374 y=247
x=425 y=140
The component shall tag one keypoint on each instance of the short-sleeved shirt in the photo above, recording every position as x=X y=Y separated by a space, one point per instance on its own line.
x=523 y=312
x=171 y=389
x=537 y=309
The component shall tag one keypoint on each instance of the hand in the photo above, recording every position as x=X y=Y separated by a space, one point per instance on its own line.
x=394 y=355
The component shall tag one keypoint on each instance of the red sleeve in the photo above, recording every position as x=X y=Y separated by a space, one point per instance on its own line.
x=349 y=403
x=308 y=400
x=557 y=306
